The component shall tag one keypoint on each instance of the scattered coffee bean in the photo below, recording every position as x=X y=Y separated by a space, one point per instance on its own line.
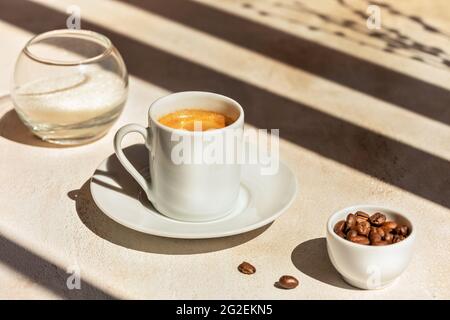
x=339 y=228
x=377 y=219
x=374 y=230
x=287 y=282
x=350 y=222
x=246 y=268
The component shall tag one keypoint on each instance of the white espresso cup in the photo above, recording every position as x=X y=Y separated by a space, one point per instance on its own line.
x=198 y=190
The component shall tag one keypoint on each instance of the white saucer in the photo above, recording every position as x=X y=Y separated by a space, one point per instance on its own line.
x=262 y=199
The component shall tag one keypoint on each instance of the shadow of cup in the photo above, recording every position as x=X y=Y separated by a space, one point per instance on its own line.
x=311 y=258
x=106 y=228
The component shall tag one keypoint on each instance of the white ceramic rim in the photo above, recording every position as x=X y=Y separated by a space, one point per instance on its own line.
x=362 y=207
x=236 y=124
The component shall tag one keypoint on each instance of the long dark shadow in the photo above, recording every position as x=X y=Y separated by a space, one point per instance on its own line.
x=367 y=77
x=396 y=163
x=45 y=273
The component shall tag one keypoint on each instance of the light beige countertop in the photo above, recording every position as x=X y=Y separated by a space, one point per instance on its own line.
x=363 y=119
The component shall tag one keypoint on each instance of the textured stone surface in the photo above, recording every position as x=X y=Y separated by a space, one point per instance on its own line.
x=347 y=142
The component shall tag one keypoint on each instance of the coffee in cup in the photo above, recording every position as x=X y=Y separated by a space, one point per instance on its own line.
x=195 y=120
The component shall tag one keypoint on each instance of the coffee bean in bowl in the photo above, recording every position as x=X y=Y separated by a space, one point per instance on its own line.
x=370 y=246
x=374 y=229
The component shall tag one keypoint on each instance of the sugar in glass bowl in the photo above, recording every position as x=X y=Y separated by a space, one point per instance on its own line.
x=69 y=86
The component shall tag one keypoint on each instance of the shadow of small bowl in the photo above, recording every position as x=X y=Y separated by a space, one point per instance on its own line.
x=369 y=267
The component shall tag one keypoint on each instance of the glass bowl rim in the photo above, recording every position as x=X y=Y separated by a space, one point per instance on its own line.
x=99 y=38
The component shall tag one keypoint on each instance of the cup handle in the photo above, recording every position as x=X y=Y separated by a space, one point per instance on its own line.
x=121 y=133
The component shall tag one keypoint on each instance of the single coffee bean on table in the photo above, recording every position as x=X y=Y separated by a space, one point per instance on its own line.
x=375 y=230
x=246 y=268
x=287 y=282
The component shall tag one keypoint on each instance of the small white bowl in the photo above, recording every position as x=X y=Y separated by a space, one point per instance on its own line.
x=365 y=266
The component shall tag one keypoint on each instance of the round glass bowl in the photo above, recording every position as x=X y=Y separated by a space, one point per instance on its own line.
x=69 y=86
